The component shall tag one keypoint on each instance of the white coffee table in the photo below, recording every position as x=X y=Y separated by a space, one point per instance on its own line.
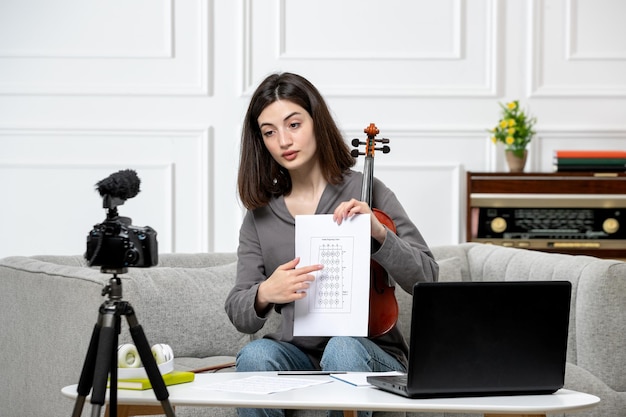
x=337 y=395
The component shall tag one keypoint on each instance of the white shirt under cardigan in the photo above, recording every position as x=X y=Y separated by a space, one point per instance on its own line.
x=267 y=240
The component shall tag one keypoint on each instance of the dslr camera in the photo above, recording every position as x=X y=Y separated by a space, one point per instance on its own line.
x=116 y=244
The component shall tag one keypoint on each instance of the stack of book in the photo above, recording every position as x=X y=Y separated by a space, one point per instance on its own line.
x=591 y=160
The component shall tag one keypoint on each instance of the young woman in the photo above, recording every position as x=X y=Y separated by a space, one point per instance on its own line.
x=294 y=161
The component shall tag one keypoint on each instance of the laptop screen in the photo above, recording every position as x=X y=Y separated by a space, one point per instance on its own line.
x=488 y=337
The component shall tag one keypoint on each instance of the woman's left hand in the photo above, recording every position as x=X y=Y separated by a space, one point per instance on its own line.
x=349 y=209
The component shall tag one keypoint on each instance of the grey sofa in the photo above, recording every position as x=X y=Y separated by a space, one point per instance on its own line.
x=50 y=305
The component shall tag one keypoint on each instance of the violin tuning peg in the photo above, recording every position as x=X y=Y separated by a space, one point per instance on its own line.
x=356 y=142
x=355 y=153
x=386 y=149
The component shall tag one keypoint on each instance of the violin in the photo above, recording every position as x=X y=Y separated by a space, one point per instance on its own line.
x=383 y=311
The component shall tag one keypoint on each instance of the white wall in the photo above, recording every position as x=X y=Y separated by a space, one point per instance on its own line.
x=88 y=88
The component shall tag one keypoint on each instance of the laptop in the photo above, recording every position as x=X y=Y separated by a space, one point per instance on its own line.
x=485 y=339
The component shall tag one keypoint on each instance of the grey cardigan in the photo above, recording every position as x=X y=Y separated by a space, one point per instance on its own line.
x=267 y=240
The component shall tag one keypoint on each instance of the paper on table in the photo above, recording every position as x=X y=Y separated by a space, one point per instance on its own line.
x=337 y=302
x=262 y=384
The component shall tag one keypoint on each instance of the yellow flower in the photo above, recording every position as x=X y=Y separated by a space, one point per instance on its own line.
x=514 y=128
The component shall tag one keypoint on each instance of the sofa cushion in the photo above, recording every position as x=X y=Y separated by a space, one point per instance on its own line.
x=184 y=307
x=209 y=364
x=450 y=270
x=196 y=260
x=447 y=255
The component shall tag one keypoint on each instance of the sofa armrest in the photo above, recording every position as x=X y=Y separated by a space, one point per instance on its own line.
x=601 y=322
x=48 y=314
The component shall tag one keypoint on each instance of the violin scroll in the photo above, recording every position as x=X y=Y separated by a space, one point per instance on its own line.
x=370 y=144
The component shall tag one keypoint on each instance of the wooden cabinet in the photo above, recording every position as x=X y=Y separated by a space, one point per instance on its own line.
x=570 y=212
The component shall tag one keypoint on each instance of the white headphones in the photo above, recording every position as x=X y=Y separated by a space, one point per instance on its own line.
x=128 y=356
x=162 y=353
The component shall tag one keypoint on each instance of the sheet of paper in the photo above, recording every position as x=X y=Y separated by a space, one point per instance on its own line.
x=262 y=384
x=337 y=302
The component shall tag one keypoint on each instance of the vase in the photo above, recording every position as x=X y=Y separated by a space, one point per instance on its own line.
x=515 y=162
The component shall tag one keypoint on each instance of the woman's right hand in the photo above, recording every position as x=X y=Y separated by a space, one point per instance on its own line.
x=286 y=284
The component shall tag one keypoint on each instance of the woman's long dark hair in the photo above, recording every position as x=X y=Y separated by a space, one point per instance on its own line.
x=260 y=176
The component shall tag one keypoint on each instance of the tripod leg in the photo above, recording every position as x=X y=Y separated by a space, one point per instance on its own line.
x=154 y=375
x=103 y=362
x=86 y=375
x=113 y=371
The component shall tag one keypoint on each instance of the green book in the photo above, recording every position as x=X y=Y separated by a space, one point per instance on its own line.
x=172 y=378
x=591 y=161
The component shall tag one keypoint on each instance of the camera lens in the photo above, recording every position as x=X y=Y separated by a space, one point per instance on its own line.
x=131 y=256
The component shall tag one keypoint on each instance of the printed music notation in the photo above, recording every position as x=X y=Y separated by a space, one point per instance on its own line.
x=333 y=283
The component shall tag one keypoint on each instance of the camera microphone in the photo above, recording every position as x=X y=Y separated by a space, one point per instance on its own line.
x=123 y=185
x=116 y=244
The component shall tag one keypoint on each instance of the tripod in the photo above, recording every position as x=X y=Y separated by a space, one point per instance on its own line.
x=101 y=359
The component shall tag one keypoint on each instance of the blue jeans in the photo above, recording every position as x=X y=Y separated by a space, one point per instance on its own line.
x=356 y=354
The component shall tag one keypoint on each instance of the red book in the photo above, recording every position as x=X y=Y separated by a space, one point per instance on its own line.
x=590 y=154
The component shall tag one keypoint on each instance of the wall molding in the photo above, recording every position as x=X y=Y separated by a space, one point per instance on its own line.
x=537 y=87
x=489 y=87
x=455 y=191
x=176 y=71
x=165 y=49
x=571 y=51
x=456 y=52
x=192 y=187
